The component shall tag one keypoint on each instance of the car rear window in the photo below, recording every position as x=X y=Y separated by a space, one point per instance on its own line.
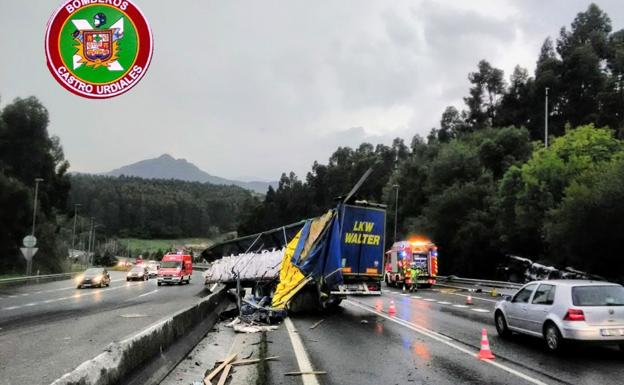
x=598 y=295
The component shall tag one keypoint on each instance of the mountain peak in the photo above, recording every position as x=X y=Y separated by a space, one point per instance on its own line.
x=168 y=167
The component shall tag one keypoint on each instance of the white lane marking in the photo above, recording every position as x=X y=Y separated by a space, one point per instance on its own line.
x=460 y=306
x=213 y=287
x=480 y=310
x=444 y=303
x=429 y=299
x=403 y=293
x=66 y=298
x=302 y=357
x=416 y=296
x=440 y=338
x=477 y=298
x=148 y=293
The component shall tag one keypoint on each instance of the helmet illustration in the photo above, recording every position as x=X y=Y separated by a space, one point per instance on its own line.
x=99 y=20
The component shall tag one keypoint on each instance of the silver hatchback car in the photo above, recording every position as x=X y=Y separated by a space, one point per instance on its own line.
x=560 y=310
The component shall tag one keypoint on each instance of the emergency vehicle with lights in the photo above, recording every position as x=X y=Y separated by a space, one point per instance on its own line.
x=175 y=268
x=420 y=252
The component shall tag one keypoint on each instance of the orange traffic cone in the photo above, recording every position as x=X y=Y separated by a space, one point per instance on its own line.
x=485 y=353
x=391 y=308
x=469 y=300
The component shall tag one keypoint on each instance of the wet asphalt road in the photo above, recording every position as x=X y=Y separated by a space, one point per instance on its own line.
x=432 y=339
x=46 y=330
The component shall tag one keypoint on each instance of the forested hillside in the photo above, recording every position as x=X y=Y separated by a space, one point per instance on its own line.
x=482 y=185
x=157 y=208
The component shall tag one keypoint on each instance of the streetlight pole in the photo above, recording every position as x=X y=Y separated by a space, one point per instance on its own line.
x=546 y=119
x=89 y=241
x=37 y=180
x=396 y=210
x=74 y=228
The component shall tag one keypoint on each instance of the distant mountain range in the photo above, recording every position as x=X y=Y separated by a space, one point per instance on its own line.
x=167 y=167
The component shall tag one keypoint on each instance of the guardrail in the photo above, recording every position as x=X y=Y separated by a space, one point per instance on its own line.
x=36 y=278
x=201 y=266
x=480 y=282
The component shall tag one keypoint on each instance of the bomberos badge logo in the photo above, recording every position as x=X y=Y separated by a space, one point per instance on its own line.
x=98 y=48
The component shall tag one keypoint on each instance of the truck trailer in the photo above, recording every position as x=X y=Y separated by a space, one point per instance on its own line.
x=312 y=263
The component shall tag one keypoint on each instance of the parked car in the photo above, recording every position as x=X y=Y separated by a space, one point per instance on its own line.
x=564 y=310
x=137 y=273
x=94 y=276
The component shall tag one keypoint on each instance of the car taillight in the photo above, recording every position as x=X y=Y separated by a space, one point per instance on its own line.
x=574 y=315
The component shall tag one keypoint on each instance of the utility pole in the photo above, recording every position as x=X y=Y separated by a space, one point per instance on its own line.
x=74 y=228
x=37 y=180
x=89 y=244
x=546 y=119
x=396 y=210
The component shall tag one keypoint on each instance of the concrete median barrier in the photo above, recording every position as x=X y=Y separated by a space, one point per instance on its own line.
x=120 y=359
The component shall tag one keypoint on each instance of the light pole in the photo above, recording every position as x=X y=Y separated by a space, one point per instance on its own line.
x=93 y=245
x=74 y=228
x=396 y=210
x=37 y=180
x=89 y=242
x=546 y=119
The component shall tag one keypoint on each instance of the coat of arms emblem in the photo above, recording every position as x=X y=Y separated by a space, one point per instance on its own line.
x=97 y=45
x=98 y=49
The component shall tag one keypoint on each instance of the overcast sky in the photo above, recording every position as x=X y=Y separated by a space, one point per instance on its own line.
x=255 y=88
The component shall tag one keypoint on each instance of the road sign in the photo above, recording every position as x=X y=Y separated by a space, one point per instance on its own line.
x=29 y=252
x=30 y=241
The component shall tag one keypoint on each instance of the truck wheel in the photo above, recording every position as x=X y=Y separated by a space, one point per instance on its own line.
x=158 y=283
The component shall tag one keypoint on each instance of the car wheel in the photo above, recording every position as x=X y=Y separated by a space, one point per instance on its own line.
x=501 y=325
x=79 y=287
x=553 y=338
x=158 y=283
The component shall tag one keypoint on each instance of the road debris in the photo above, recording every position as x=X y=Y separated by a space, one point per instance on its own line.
x=215 y=372
x=317 y=324
x=224 y=375
x=253 y=361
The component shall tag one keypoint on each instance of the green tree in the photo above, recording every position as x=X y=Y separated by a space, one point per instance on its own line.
x=27 y=152
x=586 y=228
x=528 y=193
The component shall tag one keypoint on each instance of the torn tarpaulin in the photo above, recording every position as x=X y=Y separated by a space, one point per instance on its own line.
x=247 y=266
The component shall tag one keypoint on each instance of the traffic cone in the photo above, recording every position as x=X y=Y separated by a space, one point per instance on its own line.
x=391 y=309
x=485 y=353
x=469 y=300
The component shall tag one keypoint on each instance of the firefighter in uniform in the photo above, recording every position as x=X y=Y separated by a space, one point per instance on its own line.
x=414 y=272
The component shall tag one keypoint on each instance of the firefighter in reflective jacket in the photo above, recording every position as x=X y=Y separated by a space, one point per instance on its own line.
x=414 y=272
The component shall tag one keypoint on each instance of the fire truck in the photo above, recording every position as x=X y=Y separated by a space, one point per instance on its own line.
x=421 y=252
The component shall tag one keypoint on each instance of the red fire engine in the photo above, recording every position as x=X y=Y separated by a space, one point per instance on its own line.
x=418 y=252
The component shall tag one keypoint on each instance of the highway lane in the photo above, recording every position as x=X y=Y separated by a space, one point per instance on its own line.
x=432 y=339
x=47 y=330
